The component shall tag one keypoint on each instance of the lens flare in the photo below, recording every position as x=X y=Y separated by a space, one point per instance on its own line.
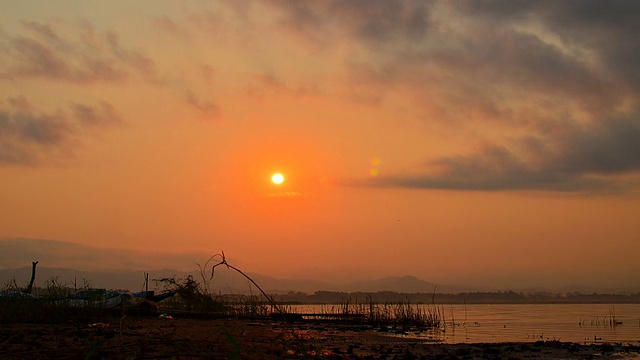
x=375 y=169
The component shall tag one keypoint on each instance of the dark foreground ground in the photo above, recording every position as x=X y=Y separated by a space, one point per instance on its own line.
x=156 y=338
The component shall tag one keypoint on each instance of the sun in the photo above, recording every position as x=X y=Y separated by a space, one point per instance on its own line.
x=277 y=178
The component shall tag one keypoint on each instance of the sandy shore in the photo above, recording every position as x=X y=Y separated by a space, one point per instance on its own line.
x=154 y=338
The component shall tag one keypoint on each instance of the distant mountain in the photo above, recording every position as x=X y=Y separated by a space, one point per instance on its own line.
x=119 y=268
x=19 y=252
x=223 y=281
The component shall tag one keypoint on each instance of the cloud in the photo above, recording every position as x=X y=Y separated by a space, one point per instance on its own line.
x=549 y=90
x=47 y=51
x=609 y=148
x=103 y=115
x=601 y=33
x=206 y=107
x=493 y=55
x=28 y=134
x=602 y=158
x=462 y=61
x=377 y=23
x=268 y=83
x=468 y=31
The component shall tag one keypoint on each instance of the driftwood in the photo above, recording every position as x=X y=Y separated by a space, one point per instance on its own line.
x=33 y=277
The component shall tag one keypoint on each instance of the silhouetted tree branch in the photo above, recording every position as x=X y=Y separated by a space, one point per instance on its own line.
x=33 y=277
x=223 y=261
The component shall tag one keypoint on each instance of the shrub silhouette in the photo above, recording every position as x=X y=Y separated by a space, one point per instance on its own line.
x=190 y=296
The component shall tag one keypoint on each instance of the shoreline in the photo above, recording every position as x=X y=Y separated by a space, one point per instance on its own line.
x=151 y=337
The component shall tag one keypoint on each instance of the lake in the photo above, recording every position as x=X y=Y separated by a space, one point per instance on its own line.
x=581 y=323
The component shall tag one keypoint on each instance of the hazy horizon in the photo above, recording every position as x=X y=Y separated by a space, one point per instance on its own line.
x=463 y=142
x=19 y=253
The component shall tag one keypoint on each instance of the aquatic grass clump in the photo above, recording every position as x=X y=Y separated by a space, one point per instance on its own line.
x=402 y=313
x=407 y=313
x=246 y=305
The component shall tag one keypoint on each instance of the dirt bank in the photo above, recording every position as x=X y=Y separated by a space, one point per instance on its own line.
x=153 y=338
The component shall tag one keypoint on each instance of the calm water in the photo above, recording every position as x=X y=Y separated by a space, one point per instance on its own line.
x=582 y=323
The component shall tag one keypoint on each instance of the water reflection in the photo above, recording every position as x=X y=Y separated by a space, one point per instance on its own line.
x=581 y=323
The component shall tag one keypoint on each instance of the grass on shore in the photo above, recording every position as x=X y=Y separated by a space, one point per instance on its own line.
x=52 y=305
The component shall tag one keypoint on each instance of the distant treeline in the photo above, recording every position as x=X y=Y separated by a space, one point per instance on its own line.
x=497 y=297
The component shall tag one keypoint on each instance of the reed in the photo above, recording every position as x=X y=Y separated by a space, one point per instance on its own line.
x=402 y=313
x=609 y=320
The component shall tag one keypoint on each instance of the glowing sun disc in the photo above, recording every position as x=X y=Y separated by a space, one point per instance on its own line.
x=277 y=178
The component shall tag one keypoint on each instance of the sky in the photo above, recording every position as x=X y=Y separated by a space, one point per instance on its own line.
x=467 y=142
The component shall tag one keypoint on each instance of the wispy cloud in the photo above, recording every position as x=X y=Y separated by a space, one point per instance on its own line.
x=49 y=52
x=102 y=115
x=29 y=135
x=204 y=106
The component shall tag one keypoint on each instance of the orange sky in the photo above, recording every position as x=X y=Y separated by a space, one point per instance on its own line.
x=464 y=142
